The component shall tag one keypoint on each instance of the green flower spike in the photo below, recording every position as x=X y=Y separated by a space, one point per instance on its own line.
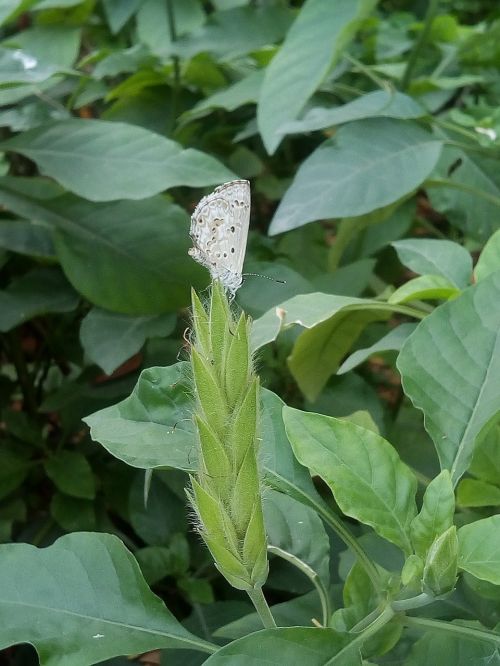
x=225 y=493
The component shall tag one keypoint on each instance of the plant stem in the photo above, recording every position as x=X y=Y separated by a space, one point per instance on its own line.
x=461 y=630
x=175 y=60
x=313 y=577
x=446 y=182
x=381 y=83
x=432 y=8
x=401 y=605
x=259 y=601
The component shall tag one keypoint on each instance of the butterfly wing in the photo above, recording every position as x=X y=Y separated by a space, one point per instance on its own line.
x=219 y=231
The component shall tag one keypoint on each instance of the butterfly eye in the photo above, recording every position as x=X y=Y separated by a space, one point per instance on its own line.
x=233 y=229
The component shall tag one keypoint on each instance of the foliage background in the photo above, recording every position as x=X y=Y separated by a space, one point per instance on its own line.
x=375 y=123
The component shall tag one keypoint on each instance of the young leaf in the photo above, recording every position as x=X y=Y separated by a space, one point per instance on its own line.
x=393 y=341
x=436 y=514
x=455 y=352
x=440 y=570
x=425 y=287
x=110 y=612
x=364 y=472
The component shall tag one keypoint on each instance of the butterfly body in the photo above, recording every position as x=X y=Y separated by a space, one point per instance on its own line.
x=219 y=231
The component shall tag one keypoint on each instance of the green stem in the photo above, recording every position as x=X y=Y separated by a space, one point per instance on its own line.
x=446 y=182
x=461 y=630
x=313 y=577
x=380 y=621
x=259 y=601
x=402 y=605
x=347 y=230
x=432 y=8
x=175 y=60
x=381 y=83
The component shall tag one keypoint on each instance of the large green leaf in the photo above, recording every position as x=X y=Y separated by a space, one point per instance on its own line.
x=54 y=46
x=105 y=161
x=366 y=165
x=374 y=104
x=293 y=646
x=436 y=257
x=332 y=325
x=313 y=44
x=424 y=288
x=114 y=261
x=109 y=339
x=449 y=368
x=40 y=291
x=153 y=427
x=83 y=600
x=367 y=477
x=153 y=22
x=26 y=238
x=479 y=549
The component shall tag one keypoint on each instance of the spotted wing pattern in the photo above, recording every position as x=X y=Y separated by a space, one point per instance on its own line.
x=219 y=230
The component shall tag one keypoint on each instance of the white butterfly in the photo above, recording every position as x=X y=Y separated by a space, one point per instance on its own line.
x=219 y=230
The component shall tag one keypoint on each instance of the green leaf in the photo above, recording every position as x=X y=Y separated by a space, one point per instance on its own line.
x=449 y=367
x=479 y=549
x=486 y=460
x=40 y=291
x=245 y=91
x=236 y=32
x=333 y=324
x=440 y=570
x=476 y=493
x=313 y=44
x=52 y=45
x=109 y=339
x=26 y=238
x=364 y=472
x=366 y=165
x=110 y=611
x=393 y=341
x=14 y=467
x=153 y=427
x=298 y=530
x=153 y=23
x=436 y=257
x=72 y=474
x=476 y=216
x=105 y=161
x=489 y=259
x=136 y=269
x=296 y=645
x=424 y=287
x=371 y=105
x=73 y=514
x=436 y=514
x=16 y=66
x=118 y=12
x=452 y=649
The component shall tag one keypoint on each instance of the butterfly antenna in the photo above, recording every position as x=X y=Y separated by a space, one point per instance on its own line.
x=266 y=277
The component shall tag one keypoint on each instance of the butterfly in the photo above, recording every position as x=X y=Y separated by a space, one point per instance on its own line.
x=219 y=230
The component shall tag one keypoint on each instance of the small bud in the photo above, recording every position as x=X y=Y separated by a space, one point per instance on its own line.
x=440 y=570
